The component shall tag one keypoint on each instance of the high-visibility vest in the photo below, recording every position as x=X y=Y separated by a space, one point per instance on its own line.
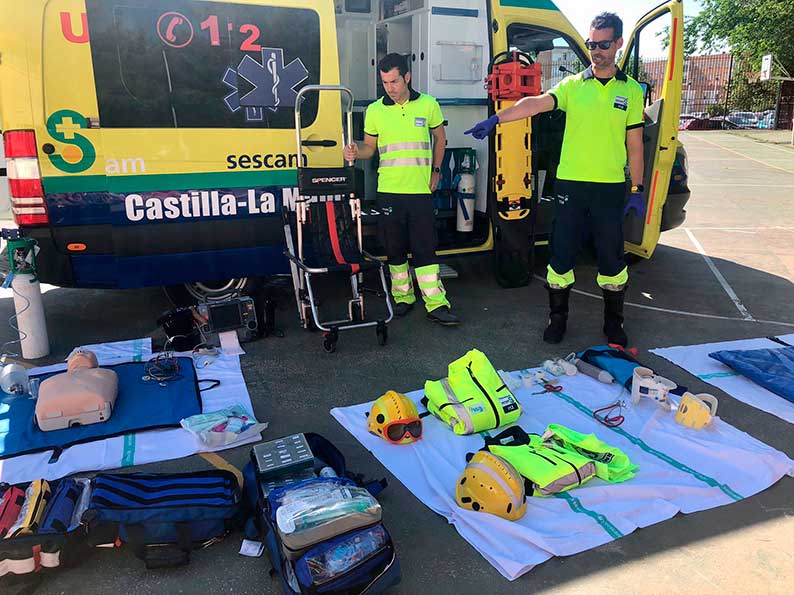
x=547 y=468
x=611 y=463
x=472 y=398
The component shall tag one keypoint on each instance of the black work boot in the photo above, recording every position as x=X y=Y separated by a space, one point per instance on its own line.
x=443 y=316
x=402 y=308
x=613 y=317
x=558 y=314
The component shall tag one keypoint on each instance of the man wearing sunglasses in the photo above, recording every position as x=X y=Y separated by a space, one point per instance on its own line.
x=604 y=121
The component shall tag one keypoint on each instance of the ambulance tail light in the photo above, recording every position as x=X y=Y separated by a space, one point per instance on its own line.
x=24 y=178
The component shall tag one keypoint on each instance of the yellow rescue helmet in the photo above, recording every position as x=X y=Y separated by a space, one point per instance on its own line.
x=394 y=418
x=491 y=484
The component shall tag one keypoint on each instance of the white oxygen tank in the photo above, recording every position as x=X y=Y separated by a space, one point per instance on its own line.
x=30 y=316
x=465 y=193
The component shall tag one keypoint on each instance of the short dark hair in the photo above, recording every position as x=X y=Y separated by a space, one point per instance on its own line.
x=391 y=61
x=608 y=20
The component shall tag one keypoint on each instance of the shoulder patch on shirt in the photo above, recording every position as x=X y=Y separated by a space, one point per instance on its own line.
x=621 y=103
x=420 y=122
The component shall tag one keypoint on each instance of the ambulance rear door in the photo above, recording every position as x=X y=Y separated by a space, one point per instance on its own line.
x=661 y=116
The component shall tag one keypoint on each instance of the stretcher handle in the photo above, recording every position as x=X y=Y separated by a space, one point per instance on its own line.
x=347 y=134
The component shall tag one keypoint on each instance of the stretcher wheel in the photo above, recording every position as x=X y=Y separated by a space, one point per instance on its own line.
x=329 y=341
x=383 y=333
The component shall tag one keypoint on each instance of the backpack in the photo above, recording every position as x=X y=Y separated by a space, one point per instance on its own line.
x=44 y=518
x=162 y=517
x=359 y=557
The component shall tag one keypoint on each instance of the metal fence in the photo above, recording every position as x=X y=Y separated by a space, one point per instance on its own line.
x=724 y=92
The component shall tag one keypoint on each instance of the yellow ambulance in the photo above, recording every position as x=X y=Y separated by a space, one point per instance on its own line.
x=152 y=142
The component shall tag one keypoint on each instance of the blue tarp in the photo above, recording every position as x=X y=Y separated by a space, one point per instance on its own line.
x=771 y=368
x=140 y=405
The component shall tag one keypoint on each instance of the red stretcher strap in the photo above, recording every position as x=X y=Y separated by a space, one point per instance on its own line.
x=332 y=234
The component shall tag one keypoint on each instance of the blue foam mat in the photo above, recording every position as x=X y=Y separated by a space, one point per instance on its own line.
x=140 y=405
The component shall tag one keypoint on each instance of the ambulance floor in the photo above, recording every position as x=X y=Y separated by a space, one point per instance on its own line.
x=738 y=217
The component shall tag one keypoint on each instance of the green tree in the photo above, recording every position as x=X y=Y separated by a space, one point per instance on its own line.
x=751 y=28
x=691 y=37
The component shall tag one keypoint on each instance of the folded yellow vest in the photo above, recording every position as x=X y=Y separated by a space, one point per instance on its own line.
x=472 y=398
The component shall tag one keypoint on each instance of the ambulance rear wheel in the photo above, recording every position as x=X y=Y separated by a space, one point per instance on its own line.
x=190 y=294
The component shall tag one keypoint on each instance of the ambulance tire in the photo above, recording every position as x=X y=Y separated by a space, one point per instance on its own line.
x=189 y=294
x=632 y=259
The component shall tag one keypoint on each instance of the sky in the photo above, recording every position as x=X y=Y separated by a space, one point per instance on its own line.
x=581 y=13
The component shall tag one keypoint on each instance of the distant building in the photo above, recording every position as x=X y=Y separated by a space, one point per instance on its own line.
x=705 y=80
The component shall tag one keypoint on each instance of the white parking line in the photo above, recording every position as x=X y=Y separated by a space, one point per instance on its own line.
x=681 y=312
x=725 y=285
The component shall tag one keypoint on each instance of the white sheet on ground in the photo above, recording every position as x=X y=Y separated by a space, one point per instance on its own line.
x=681 y=470
x=695 y=360
x=141 y=447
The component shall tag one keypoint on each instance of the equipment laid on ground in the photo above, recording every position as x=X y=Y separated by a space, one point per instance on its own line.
x=324 y=535
x=491 y=484
x=180 y=328
x=618 y=363
x=593 y=371
x=84 y=394
x=53 y=537
x=394 y=418
x=14 y=380
x=162 y=517
x=144 y=402
x=223 y=427
x=287 y=455
x=771 y=368
x=696 y=411
x=472 y=398
x=235 y=314
x=646 y=384
x=329 y=212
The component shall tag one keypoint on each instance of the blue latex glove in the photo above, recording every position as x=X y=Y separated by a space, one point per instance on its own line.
x=636 y=204
x=484 y=128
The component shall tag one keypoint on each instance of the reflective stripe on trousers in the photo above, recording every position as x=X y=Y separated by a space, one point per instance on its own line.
x=432 y=288
x=402 y=288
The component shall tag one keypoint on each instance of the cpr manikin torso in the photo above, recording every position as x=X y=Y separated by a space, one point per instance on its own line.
x=84 y=394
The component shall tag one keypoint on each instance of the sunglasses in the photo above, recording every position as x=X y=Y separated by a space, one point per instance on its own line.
x=604 y=45
x=398 y=430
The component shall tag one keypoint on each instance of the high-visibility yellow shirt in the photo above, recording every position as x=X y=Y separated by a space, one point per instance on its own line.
x=597 y=118
x=404 y=142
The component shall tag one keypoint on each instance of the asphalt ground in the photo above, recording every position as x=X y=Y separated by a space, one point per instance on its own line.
x=727 y=275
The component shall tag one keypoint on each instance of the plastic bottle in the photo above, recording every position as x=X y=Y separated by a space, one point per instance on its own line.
x=327 y=472
x=305 y=514
x=349 y=553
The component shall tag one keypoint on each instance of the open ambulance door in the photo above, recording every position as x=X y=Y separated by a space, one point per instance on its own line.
x=663 y=78
x=537 y=31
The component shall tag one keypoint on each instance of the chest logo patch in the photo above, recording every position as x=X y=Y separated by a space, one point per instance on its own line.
x=420 y=122
x=621 y=103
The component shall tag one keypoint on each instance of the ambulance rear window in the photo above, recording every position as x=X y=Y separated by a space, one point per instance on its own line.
x=191 y=64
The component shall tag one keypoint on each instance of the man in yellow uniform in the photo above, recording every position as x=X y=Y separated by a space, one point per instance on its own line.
x=400 y=126
x=604 y=122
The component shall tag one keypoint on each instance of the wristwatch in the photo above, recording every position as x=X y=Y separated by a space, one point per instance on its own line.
x=638 y=188
x=436 y=170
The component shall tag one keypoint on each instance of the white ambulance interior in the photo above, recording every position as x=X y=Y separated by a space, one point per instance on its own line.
x=448 y=51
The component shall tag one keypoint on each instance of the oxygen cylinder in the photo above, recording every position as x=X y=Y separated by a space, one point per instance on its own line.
x=27 y=296
x=465 y=193
x=30 y=316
